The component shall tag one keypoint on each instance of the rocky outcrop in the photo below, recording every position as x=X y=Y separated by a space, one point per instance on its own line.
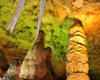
x=13 y=71
x=77 y=66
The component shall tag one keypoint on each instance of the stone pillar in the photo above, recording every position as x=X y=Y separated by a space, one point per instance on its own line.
x=77 y=58
x=34 y=64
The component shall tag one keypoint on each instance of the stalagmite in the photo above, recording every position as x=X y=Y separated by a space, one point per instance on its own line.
x=77 y=58
x=34 y=64
x=13 y=72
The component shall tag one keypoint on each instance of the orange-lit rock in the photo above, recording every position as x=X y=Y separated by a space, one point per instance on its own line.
x=78 y=3
x=78 y=76
x=77 y=54
x=1 y=73
x=89 y=14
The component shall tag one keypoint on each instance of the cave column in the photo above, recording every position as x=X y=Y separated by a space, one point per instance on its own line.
x=77 y=59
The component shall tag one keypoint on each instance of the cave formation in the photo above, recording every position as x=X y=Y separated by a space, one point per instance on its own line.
x=90 y=9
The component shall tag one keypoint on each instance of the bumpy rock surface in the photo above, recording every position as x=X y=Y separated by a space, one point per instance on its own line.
x=78 y=76
x=13 y=71
x=77 y=66
x=34 y=65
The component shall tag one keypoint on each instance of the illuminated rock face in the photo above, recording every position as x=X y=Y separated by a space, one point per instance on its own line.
x=13 y=72
x=92 y=1
x=78 y=76
x=34 y=64
x=77 y=66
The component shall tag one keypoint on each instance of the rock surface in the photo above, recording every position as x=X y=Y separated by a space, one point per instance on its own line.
x=77 y=66
x=48 y=60
x=78 y=76
x=34 y=64
x=13 y=71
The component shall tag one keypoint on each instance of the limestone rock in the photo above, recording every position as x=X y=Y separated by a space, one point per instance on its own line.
x=34 y=64
x=78 y=76
x=78 y=3
x=92 y=1
x=48 y=76
x=76 y=65
x=13 y=71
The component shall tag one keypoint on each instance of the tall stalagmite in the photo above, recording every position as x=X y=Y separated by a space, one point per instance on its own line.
x=34 y=65
x=77 y=58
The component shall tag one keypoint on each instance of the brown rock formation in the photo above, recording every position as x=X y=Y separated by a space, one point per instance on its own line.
x=1 y=73
x=78 y=76
x=34 y=65
x=77 y=66
x=3 y=63
x=13 y=72
x=48 y=60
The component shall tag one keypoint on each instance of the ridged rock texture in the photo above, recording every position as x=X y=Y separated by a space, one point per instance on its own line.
x=34 y=65
x=13 y=71
x=76 y=65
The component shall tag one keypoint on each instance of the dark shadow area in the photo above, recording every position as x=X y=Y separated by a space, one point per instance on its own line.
x=62 y=77
x=93 y=75
x=3 y=62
